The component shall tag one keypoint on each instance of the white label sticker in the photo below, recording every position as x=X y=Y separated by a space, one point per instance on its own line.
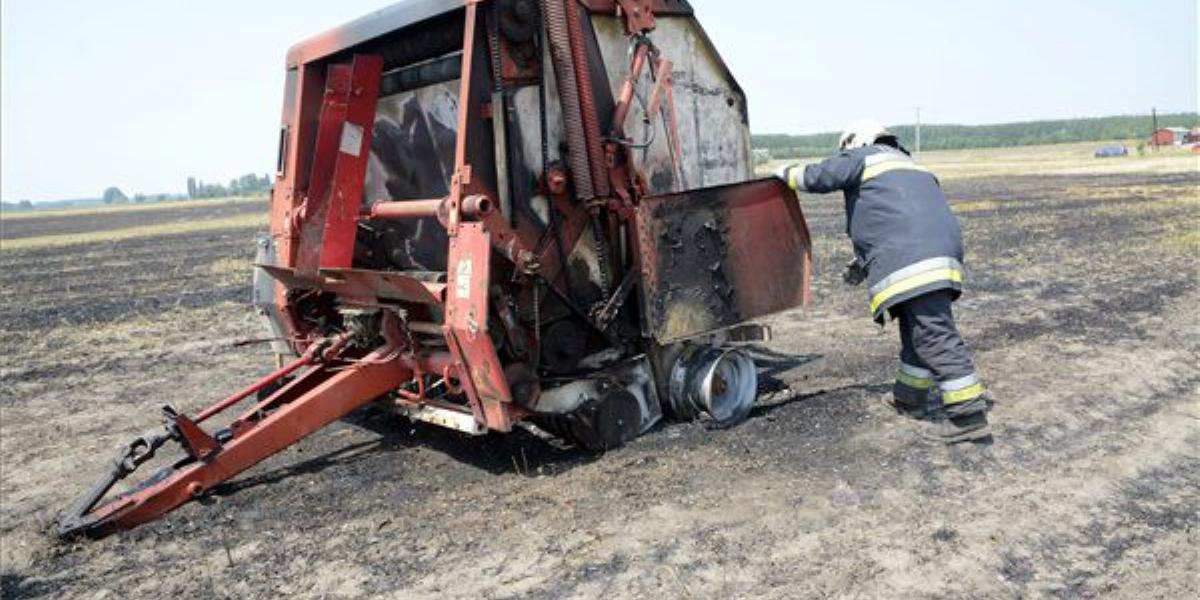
x=462 y=279
x=352 y=139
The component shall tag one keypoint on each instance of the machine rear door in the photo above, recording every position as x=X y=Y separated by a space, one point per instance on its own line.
x=716 y=257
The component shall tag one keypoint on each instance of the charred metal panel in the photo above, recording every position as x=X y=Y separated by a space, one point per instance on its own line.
x=412 y=158
x=713 y=131
x=382 y=25
x=716 y=257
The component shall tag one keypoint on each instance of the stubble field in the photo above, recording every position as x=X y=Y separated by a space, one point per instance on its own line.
x=1081 y=308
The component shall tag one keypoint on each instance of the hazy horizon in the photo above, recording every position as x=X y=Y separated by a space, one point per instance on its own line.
x=141 y=95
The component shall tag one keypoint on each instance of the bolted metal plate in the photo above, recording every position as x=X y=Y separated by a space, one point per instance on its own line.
x=716 y=257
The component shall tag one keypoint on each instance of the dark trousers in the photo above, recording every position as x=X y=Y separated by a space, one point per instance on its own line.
x=934 y=360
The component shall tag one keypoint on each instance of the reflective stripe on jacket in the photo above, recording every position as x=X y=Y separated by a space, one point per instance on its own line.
x=898 y=219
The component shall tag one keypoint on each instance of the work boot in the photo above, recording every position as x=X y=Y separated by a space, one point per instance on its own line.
x=958 y=428
x=913 y=410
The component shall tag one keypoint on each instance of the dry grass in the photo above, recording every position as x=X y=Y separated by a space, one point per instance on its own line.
x=1056 y=159
x=1145 y=199
x=231 y=271
x=128 y=208
x=170 y=331
x=1140 y=192
x=974 y=206
x=1184 y=237
x=116 y=235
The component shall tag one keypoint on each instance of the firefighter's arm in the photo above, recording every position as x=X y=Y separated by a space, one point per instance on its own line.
x=835 y=173
x=830 y=175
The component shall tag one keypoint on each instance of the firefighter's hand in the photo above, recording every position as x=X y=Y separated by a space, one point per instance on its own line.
x=855 y=273
x=786 y=172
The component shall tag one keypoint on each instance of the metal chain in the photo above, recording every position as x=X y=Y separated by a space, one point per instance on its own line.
x=537 y=322
x=494 y=49
x=601 y=252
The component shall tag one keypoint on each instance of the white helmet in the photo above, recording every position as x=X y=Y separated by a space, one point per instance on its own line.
x=862 y=133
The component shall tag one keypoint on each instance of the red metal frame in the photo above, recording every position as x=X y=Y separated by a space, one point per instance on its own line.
x=329 y=218
x=322 y=394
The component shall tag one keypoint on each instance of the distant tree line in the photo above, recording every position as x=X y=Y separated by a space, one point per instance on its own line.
x=955 y=137
x=19 y=205
x=249 y=184
x=246 y=185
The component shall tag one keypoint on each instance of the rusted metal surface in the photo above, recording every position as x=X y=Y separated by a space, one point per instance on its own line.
x=407 y=209
x=558 y=38
x=337 y=394
x=467 y=325
x=260 y=385
x=638 y=15
x=350 y=167
x=586 y=66
x=716 y=257
x=329 y=218
x=656 y=7
x=309 y=218
x=362 y=286
x=711 y=140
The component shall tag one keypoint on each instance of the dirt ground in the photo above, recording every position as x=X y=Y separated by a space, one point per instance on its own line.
x=1081 y=308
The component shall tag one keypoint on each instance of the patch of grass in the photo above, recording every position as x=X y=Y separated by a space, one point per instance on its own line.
x=129 y=208
x=116 y=235
x=974 y=206
x=231 y=271
x=1146 y=199
x=1142 y=192
x=1183 y=236
x=1056 y=159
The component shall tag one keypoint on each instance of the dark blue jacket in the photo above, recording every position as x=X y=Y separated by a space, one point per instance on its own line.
x=898 y=219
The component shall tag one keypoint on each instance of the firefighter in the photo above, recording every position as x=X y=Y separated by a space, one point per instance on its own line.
x=908 y=247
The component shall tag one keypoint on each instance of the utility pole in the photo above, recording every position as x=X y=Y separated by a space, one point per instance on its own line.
x=918 y=130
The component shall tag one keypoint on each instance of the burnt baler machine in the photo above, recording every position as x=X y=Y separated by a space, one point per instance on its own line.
x=491 y=213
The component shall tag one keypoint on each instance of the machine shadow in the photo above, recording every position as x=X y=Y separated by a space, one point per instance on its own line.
x=341 y=456
x=520 y=451
x=772 y=364
x=873 y=389
x=774 y=392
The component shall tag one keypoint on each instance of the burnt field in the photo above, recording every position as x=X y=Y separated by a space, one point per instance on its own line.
x=1081 y=307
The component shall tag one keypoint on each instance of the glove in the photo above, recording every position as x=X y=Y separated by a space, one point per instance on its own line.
x=784 y=174
x=855 y=273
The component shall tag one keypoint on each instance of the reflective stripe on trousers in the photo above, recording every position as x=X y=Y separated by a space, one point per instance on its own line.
x=918 y=274
x=914 y=377
x=963 y=389
x=930 y=338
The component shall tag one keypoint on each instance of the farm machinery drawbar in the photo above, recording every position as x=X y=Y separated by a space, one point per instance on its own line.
x=491 y=213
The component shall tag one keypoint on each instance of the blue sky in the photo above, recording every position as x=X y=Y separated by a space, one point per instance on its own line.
x=142 y=93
